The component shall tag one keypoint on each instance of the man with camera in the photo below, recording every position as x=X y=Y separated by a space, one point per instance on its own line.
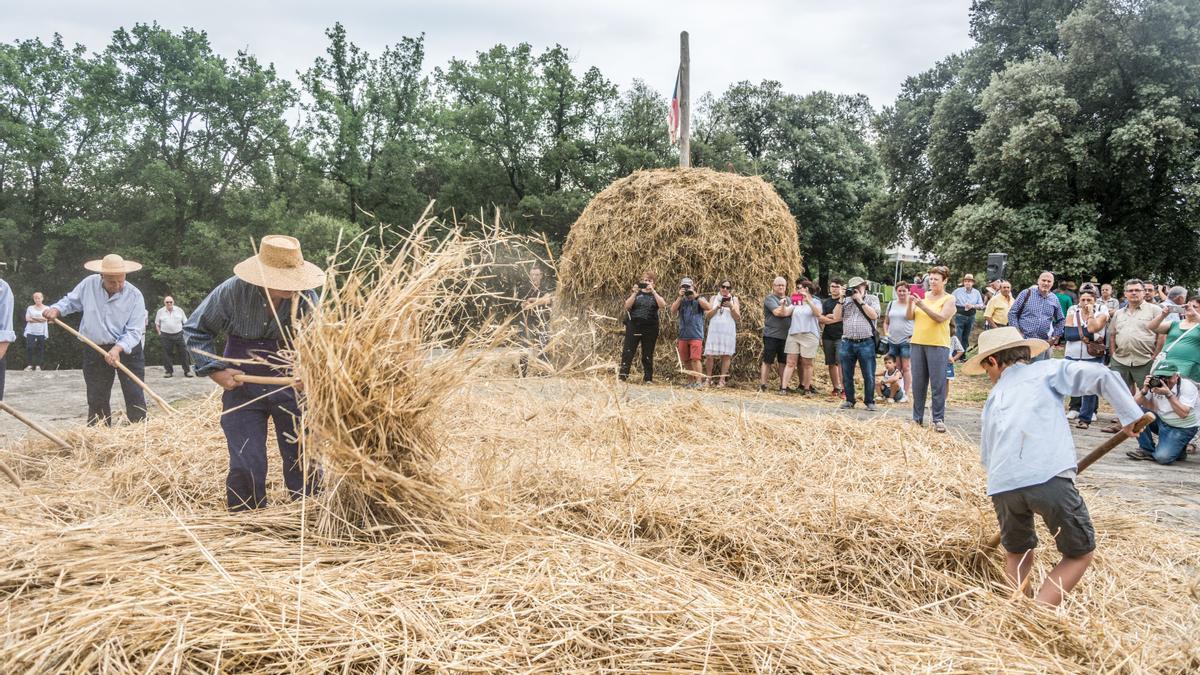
x=777 y=321
x=857 y=312
x=1173 y=401
x=690 y=308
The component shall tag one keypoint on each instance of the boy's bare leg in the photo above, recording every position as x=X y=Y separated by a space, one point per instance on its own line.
x=1065 y=575
x=1017 y=567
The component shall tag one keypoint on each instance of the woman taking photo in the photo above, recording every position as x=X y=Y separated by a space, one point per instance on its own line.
x=1084 y=331
x=724 y=312
x=1182 y=346
x=899 y=329
x=641 y=327
x=931 y=346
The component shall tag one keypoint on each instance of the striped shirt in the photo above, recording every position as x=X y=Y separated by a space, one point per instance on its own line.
x=118 y=319
x=1036 y=315
x=236 y=307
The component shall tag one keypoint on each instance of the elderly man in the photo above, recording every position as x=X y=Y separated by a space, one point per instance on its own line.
x=995 y=314
x=1131 y=342
x=114 y=317
x=967 y=301
x=777 y=321
x=1176 y=300
x=168 y=323
x=254 y=310
x=858 y=312
x=1107 y=299
x=1037 y=313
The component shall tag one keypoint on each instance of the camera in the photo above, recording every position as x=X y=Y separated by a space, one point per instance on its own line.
x=1156 y=382
x=687 y=290
x=726 y=300
x=643 y=285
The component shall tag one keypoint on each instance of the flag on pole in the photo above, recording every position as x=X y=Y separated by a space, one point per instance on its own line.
x=673 y=113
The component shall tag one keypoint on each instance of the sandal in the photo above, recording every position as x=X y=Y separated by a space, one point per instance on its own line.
x=1082 y=425
x=1112 y=428
x=1139 y=455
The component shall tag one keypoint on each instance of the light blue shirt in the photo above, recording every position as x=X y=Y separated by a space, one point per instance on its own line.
x=963 y=297
x=1026 y=440
x=6 y=313
x=107 y=319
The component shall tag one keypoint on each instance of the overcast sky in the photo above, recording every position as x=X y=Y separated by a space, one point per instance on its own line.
x=844 y=46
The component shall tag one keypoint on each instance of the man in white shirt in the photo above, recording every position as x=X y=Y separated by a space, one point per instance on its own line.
x=1173 y=401
x=168 y=323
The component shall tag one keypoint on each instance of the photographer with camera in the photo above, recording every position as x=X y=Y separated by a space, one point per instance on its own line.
x=1173 y=401
x=641 y=327
x=691 y=309
x=725 y=310
x=1084 y=334
x=858 y=312
x=1181 y=342
x=777 y=320
x=804 y=338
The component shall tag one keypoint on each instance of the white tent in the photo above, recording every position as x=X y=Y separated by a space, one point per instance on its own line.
x=901 y=254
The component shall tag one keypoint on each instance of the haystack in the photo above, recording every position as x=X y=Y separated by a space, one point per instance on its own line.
x=705 y=224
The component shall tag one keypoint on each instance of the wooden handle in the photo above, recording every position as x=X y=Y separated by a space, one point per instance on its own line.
x=162 y=403
x=265 y=379
x=1090 y=458
x=34 y=425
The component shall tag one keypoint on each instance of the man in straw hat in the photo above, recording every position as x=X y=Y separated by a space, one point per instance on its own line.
x=114 y=317
x=255 y=309
x=1027 y=449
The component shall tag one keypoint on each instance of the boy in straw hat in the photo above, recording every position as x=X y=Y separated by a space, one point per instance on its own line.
x=254 y=309
x=114 y=317
x=1027 y=449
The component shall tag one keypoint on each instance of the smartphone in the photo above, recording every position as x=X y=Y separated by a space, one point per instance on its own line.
x=1173 y=309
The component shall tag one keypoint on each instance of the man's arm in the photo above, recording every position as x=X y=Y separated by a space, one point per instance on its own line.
x=135 y=326
x=69 y=304
x=1078 y=378
x=200 y=332
x=870 y=309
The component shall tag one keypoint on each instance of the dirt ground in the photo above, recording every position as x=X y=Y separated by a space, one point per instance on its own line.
x=1170 y=494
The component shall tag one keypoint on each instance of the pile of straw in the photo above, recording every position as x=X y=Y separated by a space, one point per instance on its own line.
x=701 y=223
x=591 y=533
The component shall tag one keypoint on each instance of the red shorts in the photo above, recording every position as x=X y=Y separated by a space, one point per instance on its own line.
x=690 y=350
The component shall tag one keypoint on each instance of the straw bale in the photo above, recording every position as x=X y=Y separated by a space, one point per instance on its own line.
x=701 y=223
x=594 y=533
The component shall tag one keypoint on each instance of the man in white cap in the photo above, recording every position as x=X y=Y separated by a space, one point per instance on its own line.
x=1029 y=454
x=114 y=317
x=254 y=310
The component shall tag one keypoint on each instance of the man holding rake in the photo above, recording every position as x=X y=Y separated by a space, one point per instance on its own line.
x=255 y=310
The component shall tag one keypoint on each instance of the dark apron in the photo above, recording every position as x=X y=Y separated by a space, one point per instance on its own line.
x=262 y=350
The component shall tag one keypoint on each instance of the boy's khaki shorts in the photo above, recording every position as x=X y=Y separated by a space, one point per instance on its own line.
x=1060 y=506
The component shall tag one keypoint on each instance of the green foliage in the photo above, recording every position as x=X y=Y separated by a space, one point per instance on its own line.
x=1067 y=135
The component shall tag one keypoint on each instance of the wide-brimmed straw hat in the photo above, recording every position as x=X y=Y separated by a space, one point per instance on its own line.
x=968 y=277
x=112 y=264
x=997 y=340
x=280 y=265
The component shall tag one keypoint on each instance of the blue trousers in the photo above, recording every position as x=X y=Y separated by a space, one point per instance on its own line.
x=1087 y=404
x=1172 y=441
x=963 y=325
x=861 y=352
x=246 y=435
x=35 y=349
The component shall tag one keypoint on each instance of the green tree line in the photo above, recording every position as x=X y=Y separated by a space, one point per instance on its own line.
x=1067 y=137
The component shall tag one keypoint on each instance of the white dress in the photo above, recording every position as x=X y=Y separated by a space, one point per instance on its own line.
x=722 y=331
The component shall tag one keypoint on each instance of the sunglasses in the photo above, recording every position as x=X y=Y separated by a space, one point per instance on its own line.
x=726 y=286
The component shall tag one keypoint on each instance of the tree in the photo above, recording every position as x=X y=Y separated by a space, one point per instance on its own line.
x=639 y=136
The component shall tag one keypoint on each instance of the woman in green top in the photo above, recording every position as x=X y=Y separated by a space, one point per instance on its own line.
x=1182 y=346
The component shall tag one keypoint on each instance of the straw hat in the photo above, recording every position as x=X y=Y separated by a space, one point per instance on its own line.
x=999 y=339
x=968 y=277
x=112 y=264
x=855 y=282
x=280 y=265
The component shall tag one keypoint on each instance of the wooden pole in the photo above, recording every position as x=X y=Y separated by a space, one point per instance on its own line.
x=35 y=426
x=685 y=103
x=266 y=379
x=1090 y=459
x=162 y=403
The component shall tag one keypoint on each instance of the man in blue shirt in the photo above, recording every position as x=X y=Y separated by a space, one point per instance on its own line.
x=690 y=308
x=7 y=335
x=1027 y=449
x=1036 y=313
x=967 y=301
x=254 y=310
x=114 y=317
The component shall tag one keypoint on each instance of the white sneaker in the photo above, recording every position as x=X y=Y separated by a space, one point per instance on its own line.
x=903 y=398
x=1072 y=414
x=28 y=367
